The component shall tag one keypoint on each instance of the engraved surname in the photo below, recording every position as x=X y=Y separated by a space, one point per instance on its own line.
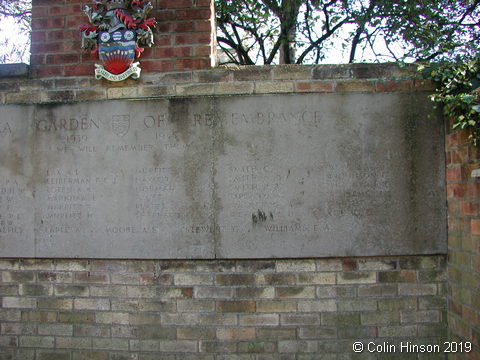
x=129 y=148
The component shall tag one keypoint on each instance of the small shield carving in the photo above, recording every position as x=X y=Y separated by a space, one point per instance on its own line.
x=120 y=124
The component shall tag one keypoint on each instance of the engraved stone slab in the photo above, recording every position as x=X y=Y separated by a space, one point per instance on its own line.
x=16 y=182
x=330 y=175
x=224 y=177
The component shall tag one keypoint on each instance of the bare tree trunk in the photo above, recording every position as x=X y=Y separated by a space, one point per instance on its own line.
x=288 y=30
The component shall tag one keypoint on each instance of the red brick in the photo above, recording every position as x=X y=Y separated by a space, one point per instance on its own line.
x=472 y=189
x=463 y=137
x=48 y=71
x=147 y=53
x=421 y=85
x=206 y=3
x=450 y=140
x=203 y=25
x=63 y=35
x=45 y=2
x=349 y=264
x=192 y=38
x=475 y=226
x=38 y=36
x=55 y=47
x=87 y=277
x=163 y=40
x=158 y=65
x=236 y=334
x=165 y=27
x=314 y=86
x=355 y=85
x=454 y=207
x=458 y=156
x=79 y=70
x=39 y=48
x=193 y=14
x=165 y=15
x=476 y=260
x=175 y=4
x=456 y=190
x=455 y=174
x=37 y=59
x=39 y=11
x=171 y=52
x=235 y=306
x=192 y=64
x=187 y=26
x=473 y=153
x=63 y=58
x=75 y=21
x=394 y=85
x=457 y=138
x=64 y=10
x=202 y=51
x=458 y=224
x=469 y=208
x=48 y=23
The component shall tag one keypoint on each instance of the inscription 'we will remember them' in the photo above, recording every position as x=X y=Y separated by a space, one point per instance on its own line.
x=243 y=177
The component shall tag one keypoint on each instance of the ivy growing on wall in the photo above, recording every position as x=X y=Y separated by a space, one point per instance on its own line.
x=459 y=93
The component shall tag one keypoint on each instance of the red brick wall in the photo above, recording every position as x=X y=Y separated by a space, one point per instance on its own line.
x=184 y=37
x=463 y=195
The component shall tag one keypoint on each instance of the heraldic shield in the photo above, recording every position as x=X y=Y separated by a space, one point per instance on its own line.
x=120 y=124
x=117 y=50
x=116 y=34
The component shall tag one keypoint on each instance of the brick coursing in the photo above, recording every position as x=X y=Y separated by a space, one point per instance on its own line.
x=217 y=310
x=184 y=38
x=463 y=193
x=246 y=80
x=262 y=309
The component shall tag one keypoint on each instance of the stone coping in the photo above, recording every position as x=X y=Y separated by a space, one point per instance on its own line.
x=14 y=70
x=244 y=80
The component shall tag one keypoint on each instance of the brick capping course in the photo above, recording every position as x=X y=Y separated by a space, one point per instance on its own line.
x=219 y=81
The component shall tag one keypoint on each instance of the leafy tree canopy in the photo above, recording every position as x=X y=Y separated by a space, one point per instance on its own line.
x=306 y=31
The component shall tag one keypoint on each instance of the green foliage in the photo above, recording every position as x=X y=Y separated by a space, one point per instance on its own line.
x=307 y=31
x=456 y=92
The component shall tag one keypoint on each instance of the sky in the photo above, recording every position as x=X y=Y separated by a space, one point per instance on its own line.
x=9 y=35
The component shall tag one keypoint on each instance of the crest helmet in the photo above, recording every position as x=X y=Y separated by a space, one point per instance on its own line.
x=117 y=4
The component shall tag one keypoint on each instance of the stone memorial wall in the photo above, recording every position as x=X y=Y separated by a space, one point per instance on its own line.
x=285 y=176
x=226 y=169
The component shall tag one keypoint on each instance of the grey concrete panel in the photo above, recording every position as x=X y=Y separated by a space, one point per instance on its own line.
x=16 y=190
x=330 y=175
x=224 y=177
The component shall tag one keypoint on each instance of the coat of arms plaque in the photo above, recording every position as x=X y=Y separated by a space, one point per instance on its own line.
x=117 y=32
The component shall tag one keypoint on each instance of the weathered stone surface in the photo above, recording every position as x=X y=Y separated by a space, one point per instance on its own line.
x=348 y=174
x=329 y=175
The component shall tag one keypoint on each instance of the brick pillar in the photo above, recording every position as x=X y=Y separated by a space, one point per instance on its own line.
x=463 y=195
x=184 y=37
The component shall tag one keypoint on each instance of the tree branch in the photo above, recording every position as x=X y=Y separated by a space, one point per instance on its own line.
x=320 y=40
